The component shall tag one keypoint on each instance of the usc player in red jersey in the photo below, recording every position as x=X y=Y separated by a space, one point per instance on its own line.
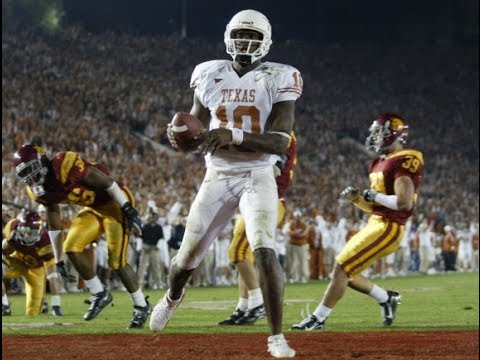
x=108 y=208
x=394 y=181
x=250 y=307
x=29 y=253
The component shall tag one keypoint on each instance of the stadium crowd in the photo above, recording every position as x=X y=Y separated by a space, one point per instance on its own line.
x=109 y=97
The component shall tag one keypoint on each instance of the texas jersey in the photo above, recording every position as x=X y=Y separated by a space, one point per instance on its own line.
x=32 y=256
x=384 y=170
x=243 y=102
x=67 y=187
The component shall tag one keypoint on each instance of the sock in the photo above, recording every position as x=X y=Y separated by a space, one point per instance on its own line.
x=378 y=294
x=55 y=299
x=174 y=301
x=322 y=312
x=138 y=298
x=242 y=304
x=4 y=300
x=255 y=298
x=94 y=285
x=273 y=338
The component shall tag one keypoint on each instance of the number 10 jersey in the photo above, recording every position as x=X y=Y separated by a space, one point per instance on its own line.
x=243 y=102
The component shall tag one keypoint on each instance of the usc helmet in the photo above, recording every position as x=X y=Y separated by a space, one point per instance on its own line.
x=249 y=20
x=29 y=228
x=385 y=131
x=30 y=163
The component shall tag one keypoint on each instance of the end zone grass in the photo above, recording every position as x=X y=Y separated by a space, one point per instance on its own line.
x=434 y=302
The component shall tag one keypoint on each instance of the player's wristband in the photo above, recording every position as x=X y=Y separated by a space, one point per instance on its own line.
x=116 y=194
x=237 y=136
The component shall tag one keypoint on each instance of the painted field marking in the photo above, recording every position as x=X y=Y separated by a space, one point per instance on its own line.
x=36 y=325
x=223 y=305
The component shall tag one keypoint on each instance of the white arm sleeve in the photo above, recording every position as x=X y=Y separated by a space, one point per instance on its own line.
x=57 y=247
x=389 y=201
x=116 y=194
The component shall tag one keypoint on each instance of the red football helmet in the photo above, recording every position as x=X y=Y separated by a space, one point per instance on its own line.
x=30 y=164
x=385 y=131
x=29 y=228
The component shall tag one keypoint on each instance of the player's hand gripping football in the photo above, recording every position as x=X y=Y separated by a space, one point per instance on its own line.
x=134 y=221
x=350 y=193
x=171 y=136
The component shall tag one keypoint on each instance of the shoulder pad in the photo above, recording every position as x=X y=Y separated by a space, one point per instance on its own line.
x=205 y=68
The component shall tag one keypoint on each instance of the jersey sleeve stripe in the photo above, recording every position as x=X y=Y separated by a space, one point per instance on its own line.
x=412 y=152
x=66 y=166
x=290 y=90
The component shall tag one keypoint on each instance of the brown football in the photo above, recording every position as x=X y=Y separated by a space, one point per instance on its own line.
x=185 y=128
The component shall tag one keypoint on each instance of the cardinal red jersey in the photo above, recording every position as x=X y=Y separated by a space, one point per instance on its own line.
x=284 y=180
x=385 y=170
x=32 y=256
x=69 y=169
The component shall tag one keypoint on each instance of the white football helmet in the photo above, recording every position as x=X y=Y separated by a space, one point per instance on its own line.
x=249 y=20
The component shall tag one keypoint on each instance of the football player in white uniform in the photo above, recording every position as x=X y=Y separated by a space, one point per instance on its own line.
x=248 y=107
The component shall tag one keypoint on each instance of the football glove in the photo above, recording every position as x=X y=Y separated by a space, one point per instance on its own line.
x=62 y=270
x=350 y=193
x=5 y=263
x=134 y=221
x=369 y=195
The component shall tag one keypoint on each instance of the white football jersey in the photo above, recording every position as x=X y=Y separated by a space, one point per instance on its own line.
x=244 y=103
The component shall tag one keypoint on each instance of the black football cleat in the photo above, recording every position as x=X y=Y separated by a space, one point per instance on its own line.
x=6 y=311
x=309 y=324
x=140 y=315
x=57 y=311
x=97 y=303
x=389 y=308
x=252 y=315
x=237 y=314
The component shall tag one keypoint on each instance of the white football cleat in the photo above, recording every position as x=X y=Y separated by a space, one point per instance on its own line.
x=278 y=347
x=163 y=311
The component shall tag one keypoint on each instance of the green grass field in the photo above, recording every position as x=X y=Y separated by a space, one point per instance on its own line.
x=435 y=302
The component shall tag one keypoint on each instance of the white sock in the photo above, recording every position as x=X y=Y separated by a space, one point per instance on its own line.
x=5 y=299
x=173 y=301
x=94 y=285
x=255 y=298
x=378 y=294
x=242 y=304
x=55 y=299
x=322 y=312
x=138 y=298
x=272 y=338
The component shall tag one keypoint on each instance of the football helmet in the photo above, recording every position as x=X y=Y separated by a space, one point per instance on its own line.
x=29 y=228
x=385 y=131
x=248 y=20
x=30 y=163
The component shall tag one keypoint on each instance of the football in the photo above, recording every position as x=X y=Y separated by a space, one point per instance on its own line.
x=184 y=130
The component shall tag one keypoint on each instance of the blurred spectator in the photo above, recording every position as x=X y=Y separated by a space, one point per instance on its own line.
x=150 y=261
x=316 y=251
x=474 y=241
x=297 y=248
x=450 y=249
